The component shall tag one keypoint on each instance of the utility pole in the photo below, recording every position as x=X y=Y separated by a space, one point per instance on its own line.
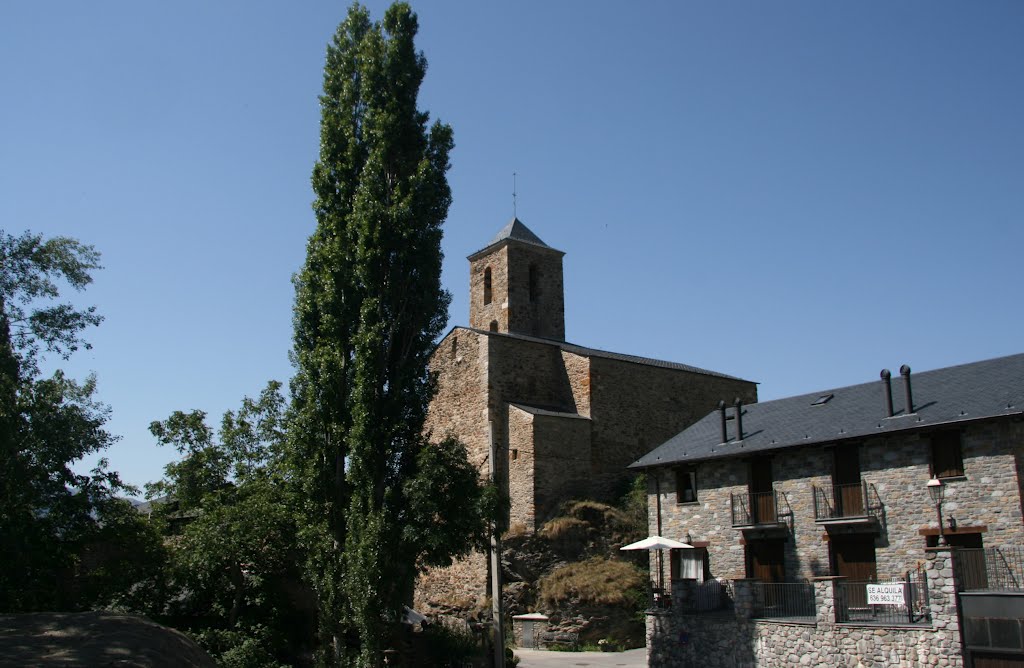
x=496 y=604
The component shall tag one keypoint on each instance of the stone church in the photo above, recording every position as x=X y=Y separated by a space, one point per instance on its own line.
x=566 y=420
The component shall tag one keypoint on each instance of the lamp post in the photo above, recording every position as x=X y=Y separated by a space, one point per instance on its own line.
x=935 y=489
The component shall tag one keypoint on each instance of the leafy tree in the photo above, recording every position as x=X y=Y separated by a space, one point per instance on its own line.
x=368 y=308
x=232 y=579
x=50 y=516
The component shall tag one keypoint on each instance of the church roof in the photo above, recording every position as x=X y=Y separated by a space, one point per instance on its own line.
x=953 y=395
x=583 y=351
x=515 y=230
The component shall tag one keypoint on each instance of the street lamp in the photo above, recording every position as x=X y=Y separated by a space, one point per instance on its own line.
x=936 y=489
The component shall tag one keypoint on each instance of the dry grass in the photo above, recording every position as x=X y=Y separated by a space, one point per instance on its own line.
x=515 y=530
x=565 y=528
x=597 y=581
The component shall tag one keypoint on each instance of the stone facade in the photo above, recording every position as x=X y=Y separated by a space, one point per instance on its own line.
x=732 y=639
x=840 y=496
x=518 y=287
x=986 y=499
x=566 y=420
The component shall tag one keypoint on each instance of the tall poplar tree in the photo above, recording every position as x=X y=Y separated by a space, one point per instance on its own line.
x=369 y=306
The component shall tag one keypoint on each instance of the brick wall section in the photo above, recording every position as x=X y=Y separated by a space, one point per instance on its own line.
x=897 y=466
x=733 y=640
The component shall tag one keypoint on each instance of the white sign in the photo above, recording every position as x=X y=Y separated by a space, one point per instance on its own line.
x=888 y=594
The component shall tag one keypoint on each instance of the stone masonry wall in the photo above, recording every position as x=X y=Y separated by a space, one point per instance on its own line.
x=545 y=315
x=731 y=639
x=481 y=314
x=459 y=409
x=897 y=469
x=636 y=407
x=521 y=462
x=563 y=464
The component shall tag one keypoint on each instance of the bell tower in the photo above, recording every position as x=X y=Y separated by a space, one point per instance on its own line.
x=515 y=285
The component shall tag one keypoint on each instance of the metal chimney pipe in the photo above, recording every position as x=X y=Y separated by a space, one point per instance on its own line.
x=887 y=390
x=908 y=395
x=739 y=419
x=721 y=415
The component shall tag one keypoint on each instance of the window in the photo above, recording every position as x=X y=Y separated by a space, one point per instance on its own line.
x=534 y=287
x=686 y=486
x=455 y=347
x=689 y=564
x=494 y=325
x=947 y=457
x=487 y=285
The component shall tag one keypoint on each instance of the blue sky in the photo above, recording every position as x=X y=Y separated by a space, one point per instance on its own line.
x=798 y=193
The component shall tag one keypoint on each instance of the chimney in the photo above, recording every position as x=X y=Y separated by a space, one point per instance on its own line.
x=887 y=390
x=721 y=414
x=905 y=372
x=739 y=419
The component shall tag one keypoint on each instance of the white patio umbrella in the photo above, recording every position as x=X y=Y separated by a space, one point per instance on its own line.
x=656 y=543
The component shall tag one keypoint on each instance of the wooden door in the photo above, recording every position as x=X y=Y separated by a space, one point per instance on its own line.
x=762 y=497
x=846 y=484
x=766 y=560
x=853 y=557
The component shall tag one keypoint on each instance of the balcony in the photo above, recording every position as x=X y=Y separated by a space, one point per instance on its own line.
x=762 y=510
x=852 y=504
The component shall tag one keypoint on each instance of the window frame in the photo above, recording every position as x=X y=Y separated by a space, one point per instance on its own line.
x=946 y=448
x=688 y=473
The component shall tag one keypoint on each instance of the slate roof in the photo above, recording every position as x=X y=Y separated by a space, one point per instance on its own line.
x=952 y=395
x=515 y=230
x=594 y=352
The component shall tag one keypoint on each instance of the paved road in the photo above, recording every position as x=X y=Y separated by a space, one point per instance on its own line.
x=539 y=658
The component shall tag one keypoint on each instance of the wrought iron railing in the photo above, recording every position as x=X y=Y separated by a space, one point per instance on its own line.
x=706 y=596
x=756 y=508
x=792 y=601
x=991 y=569
x=894 y=603
x=837 y=502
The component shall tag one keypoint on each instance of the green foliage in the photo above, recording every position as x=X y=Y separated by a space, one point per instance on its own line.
x=49 y=514
x=368 y=308
x=232 y=578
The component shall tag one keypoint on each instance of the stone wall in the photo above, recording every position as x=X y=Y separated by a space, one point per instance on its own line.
x=563 y=465
x=732 y=639
x=482 y=314
x=636 y=407
x=545 y=315
x=510 y=305
x=987 y=498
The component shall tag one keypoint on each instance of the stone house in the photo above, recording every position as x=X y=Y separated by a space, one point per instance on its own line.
x=566 y=420
x=817 y=495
